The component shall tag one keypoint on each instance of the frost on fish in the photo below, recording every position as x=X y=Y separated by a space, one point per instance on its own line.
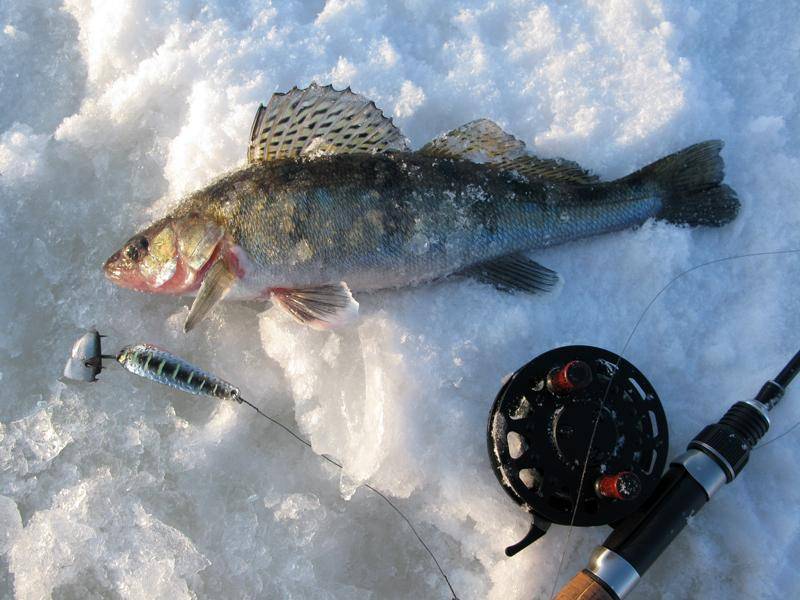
x=333 y=200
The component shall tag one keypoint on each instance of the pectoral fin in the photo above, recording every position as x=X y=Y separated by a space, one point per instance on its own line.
x=515 y=273
x=215 y=286
x=322 y=307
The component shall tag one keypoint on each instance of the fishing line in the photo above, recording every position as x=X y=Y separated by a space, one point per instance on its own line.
x=161 y=366
x=366 y=485
x=776 y=438
x=621 y=355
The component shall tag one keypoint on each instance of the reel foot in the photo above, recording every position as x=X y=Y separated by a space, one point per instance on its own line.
x=539 y=527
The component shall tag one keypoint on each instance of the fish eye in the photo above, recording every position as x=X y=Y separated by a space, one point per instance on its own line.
x=136 y=248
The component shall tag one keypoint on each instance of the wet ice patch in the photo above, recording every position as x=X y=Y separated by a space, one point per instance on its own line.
x=10 y=523
x=304 y=511
x=411 y=98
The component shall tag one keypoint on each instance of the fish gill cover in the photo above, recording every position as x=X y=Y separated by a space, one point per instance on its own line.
x=122 y=489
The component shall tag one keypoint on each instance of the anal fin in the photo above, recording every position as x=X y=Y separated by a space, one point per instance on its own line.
x=515 y=273
x=321 y=307
x=215 y=286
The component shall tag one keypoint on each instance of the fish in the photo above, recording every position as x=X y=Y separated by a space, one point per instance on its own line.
x=333 y=201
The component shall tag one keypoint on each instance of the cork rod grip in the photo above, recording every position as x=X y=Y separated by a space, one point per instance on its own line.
x=583 y=587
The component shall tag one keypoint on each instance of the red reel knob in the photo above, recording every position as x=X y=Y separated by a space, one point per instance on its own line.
x=624 y=485
x=575 y=375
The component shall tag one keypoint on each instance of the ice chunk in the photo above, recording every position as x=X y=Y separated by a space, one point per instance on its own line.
x=20 y=153
x=10 y=523
x=93 y=537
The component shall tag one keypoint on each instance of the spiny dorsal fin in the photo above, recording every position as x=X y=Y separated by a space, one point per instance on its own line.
x=483 y=141
x=320 y=120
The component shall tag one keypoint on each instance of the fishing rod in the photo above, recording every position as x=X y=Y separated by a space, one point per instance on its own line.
x=578 y=437
x=713 y=458
x=596 y=473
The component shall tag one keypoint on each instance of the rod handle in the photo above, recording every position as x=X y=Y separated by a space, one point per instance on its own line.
x=583 y=587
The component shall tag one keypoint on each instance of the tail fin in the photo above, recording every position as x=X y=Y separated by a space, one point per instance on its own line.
x=691 y=181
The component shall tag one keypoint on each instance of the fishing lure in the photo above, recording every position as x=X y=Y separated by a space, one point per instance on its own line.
x=151 y=362
x=160 y=366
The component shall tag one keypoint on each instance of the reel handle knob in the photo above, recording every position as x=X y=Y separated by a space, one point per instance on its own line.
x=624 y=485
x=572 y=377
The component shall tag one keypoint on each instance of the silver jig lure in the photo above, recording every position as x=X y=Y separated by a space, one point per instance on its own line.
x=160 y=366
x=85 y=361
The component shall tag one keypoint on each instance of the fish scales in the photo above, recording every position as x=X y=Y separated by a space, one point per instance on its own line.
x=380 y=221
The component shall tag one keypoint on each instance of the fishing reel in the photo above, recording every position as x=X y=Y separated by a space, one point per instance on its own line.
x=577 y=436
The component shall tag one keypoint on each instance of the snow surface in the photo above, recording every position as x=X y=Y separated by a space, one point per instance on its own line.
x=121 y=489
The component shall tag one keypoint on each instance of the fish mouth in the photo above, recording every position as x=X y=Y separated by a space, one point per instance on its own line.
x=112 y=269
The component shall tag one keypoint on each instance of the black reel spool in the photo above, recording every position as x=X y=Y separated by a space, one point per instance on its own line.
x=539 y=431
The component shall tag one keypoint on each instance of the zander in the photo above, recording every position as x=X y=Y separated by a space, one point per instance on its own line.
x=332 y=200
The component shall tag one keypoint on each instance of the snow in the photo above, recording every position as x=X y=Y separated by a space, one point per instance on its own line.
x=110 y=111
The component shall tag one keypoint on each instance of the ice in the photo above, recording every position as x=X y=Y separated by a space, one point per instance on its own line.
x=20 y=151
x=120 y=546
x=111 y=111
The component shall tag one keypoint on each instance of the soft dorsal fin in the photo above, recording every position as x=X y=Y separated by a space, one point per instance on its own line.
x=320 y=120
x=483 y=141
x=480 y=141
x=553 y=169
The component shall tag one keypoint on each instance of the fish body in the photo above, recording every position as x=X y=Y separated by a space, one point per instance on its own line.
x=380 y=221
x=333 y=201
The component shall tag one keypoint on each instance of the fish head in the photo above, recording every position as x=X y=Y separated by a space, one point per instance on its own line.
x=168 y=257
